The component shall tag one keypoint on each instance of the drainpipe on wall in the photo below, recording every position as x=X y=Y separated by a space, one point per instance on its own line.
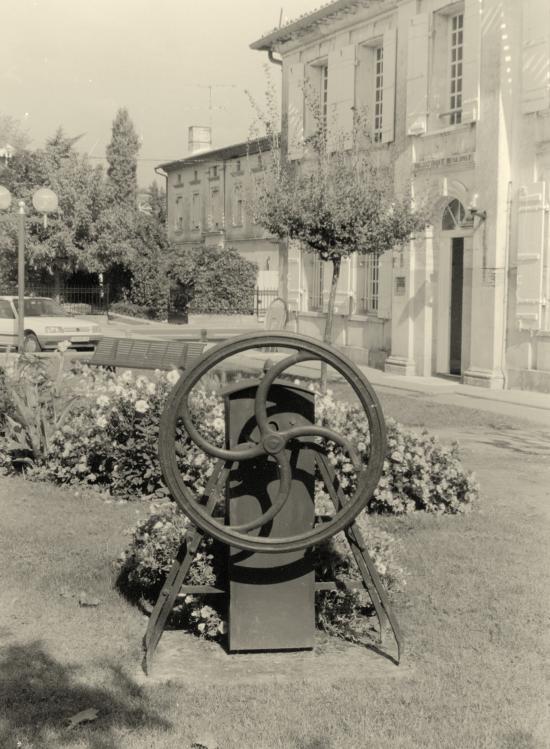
x=283 y=244
x=272 y=59
x=509 y=202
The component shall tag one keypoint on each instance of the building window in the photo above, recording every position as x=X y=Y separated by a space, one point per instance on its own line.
x=215 y=213
x=196 y=211
x=457 y=52
x=196 y=175
x=238 y=165
x=315 y=301
x=213 y=171
x=454 y=216
x=324 y=95
x=178 y=223
x=369 y=283
x=238 y=206
x=178 y=179
x=378 y=92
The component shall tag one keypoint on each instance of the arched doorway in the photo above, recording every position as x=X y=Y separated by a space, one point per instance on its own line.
x=454 y=289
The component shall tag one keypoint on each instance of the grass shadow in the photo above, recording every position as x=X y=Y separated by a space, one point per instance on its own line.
x=38 y=694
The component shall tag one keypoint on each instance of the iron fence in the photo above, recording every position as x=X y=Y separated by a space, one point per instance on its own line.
x=76 y=300
x=264 y=297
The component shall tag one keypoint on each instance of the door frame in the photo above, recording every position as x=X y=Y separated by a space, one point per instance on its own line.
x=444 y=280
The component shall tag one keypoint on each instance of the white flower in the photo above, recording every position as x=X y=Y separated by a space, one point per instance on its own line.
x=219 y=425
x=173 y=376
x=189 y=599
x=102 y=401
x=141 y=381
x=141 y=406
x=151 y=387
x=63 y=346
x=347 y=468
x=206 y=611
x=222 y=628
x=101 y=422
x=361 y=447
x=202 y=627
x=127 y=376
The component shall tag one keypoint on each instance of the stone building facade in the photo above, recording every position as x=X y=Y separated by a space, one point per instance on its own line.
x=458 y=98
x=209 y=198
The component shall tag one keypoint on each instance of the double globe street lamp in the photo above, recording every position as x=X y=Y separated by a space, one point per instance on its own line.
x=44 y=201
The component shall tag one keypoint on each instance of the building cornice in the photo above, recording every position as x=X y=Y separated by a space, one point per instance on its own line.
x=309 y=22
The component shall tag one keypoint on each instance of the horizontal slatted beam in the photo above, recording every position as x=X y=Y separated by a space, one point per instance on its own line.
x=146 y=354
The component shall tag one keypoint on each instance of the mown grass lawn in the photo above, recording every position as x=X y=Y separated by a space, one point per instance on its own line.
x=474 y=614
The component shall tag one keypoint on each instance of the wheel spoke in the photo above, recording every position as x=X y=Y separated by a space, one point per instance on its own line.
x=315 y=431
x=243 y=451
x=260 y=403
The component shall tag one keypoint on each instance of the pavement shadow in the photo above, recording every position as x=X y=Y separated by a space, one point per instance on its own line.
x=38 y=695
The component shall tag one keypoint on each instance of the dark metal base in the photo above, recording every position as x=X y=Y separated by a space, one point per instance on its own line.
x=173 y=585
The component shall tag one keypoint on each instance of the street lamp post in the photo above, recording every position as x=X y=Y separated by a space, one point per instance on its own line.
x=21 y=275
x=45 y=201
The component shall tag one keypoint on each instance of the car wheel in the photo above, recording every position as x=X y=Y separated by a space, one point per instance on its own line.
x=31 y=344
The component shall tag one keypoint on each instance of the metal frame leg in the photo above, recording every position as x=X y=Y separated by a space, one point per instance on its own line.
x=178 y=573
x=367 y=568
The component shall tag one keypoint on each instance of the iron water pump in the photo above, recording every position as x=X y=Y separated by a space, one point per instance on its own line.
x=265 y=476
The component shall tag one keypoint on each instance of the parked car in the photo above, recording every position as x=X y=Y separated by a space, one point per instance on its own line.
x=46 y=325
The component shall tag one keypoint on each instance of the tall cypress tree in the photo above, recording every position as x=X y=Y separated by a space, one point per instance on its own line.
x=122 y=154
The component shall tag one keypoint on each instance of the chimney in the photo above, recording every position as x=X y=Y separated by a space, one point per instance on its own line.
x=200 y=139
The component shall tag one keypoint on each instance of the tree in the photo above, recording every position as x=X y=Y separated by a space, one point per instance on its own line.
x=12 y=133
x=338 y=201
x=210 y=279
x=122 y=154
x=67 y=243
x=157 y=202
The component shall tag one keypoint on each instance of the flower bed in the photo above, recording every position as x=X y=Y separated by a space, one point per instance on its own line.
x=90 y=426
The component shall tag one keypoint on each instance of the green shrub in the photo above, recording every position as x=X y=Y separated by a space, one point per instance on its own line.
x=213 y=280
x=6 y=402
x=112 y=436
x=149 y=288
x=125 y=307
x=419 y=472
x=154 y=544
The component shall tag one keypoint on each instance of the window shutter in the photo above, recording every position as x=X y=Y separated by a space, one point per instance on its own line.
x=471 y=61
x=341 y=97
x=536 y=56
x=388 y=94
x=417 y=74
x=385 y=285
x=296 y=111
x=294 y=276
x=530 y=256
x=342 y=301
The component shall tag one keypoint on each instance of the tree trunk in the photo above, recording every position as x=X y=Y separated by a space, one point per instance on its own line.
x=336 y=264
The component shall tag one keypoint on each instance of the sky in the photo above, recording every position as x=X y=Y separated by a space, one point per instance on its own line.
x=75 y=62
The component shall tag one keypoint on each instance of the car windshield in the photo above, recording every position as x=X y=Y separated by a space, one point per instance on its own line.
x=35 y=307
